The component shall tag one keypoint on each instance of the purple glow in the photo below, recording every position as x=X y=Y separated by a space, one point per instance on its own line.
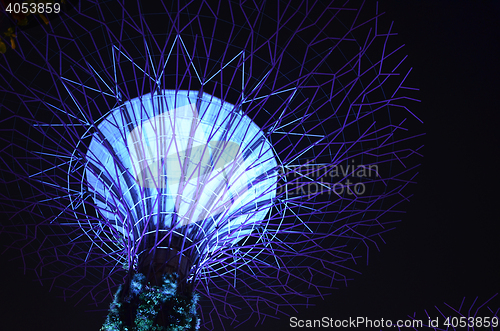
x=324 y=84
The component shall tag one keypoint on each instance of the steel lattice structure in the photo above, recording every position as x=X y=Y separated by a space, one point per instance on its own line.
x=296 y=113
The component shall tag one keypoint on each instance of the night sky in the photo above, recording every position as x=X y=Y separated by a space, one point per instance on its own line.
x=448 y=243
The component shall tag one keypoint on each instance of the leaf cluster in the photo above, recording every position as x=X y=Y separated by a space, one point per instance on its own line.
x=139 y=307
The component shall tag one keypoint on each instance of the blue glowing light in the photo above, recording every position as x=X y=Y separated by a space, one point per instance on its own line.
x=181 y=161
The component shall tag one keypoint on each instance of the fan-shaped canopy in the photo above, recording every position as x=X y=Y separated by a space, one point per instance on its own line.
x=181 y=161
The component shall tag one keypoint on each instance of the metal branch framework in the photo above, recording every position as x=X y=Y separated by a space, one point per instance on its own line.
x=313 y=96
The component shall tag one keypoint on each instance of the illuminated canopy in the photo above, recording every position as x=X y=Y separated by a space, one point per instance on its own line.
x=181 y=161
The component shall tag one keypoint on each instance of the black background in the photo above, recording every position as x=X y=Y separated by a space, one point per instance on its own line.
x=447 y=246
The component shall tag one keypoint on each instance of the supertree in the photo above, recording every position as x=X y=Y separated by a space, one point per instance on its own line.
x=249 y=154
